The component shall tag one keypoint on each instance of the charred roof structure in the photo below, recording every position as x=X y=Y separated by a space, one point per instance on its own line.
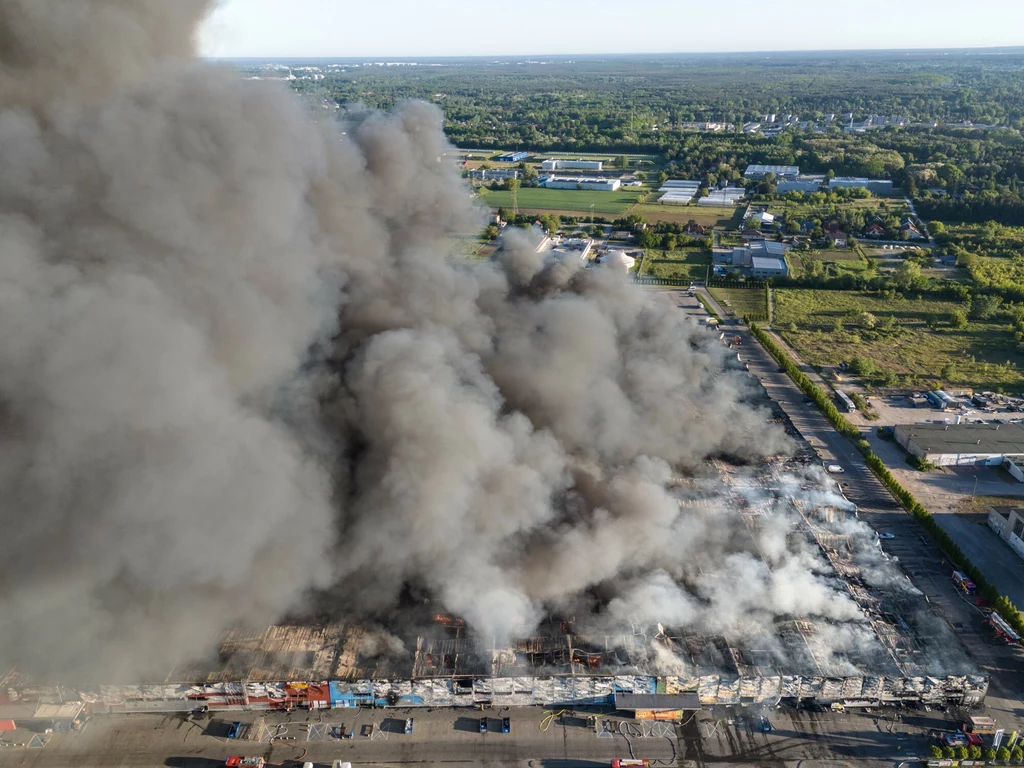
x=890 y=649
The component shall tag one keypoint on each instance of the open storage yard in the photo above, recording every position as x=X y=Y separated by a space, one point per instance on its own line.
x=978 y=353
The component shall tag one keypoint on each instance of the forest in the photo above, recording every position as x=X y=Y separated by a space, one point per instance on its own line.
x=960 y=152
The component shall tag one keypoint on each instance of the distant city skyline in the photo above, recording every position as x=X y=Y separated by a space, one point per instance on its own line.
x=411 y=28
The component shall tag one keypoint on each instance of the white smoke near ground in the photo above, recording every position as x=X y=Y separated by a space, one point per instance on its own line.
x=240 y=370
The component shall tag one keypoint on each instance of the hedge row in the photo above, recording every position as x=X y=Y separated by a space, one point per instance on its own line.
x=708 y=308
x=946 y=543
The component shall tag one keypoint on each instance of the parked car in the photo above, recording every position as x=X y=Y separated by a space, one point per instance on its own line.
x=887 y=535
x=408 y=725
x=483 y=725
x=506 y=725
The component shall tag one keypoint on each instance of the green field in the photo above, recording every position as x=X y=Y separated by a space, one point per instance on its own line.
x=689 y=264
x=836 y=262
x=742 y=301
x=575 y=200
x=984 y=354
x=707 y=216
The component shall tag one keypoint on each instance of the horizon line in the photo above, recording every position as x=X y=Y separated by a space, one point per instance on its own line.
x=829 y=51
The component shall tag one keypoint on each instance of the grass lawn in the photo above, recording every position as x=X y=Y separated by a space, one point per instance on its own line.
x=911 y=350
x=742 y=301
x=689 y=264
x=836 y=261
x=833 y=254
x=575 y=200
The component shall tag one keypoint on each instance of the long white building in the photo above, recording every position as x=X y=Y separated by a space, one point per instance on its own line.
x=572 y=165
x=570 y=182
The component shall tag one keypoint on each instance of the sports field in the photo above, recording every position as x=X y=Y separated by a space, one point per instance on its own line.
x=576 y=200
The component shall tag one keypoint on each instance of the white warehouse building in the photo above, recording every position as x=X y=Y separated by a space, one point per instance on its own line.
x=878 y=186
x=1008 y=523
x=572 y=165
x=962 y=444
x=569 y=182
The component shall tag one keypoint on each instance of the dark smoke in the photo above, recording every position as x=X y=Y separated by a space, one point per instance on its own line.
x=239 y=368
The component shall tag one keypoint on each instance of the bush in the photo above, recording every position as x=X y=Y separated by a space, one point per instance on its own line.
x=935 y=751
x=948 y=753
x=1003 y=754
x=990 y=753
x=961 y=753
x=862 y=366
x=1017 y=755
x=974 y=752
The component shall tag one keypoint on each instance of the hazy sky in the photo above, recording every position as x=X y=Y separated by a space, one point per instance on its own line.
x=278 y=28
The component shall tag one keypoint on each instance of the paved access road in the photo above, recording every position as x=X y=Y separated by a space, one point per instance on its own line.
x=439 y=736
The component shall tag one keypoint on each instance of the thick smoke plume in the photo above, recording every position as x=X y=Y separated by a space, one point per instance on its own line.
x=239 y=369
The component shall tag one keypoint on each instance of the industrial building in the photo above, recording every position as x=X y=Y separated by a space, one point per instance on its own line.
x=572 y=165
x=782 y=172
x=494 y=174
x=878 y=186
x=570 y=182
x=743 y=256
x=512 y=157
x=805 y=184
x=962 y=444
x=1008 y=523
x=767 y=267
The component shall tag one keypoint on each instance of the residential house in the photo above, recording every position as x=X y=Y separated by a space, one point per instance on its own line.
x=838 y=239
x=693 y=228
x=909 y=231
x=874 y=230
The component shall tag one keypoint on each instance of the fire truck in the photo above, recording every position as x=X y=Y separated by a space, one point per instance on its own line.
x=963 y=583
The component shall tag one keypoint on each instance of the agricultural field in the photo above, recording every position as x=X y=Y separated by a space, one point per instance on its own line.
x=575 y=201
x=742 y=301
x=829 y=327
x=706 y=216
x=689 y=264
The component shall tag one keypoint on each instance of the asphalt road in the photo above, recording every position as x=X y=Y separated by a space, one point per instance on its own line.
x=439 y=736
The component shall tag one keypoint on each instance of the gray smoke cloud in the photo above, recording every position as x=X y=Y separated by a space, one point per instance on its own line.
x=239 y=369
